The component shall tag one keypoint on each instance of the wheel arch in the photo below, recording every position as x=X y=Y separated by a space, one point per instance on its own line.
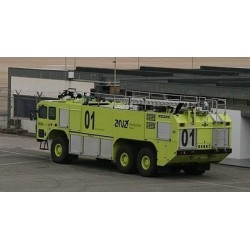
x=136 y=143
x=57 y=133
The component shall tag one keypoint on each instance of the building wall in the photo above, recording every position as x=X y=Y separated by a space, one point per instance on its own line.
x=50 y=88
x=236 y=133
x=28 y=125
x=3 y=121
x=240 y=135
x=245 y=138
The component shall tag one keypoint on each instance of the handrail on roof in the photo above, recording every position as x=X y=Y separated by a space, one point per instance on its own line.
x=147 y=98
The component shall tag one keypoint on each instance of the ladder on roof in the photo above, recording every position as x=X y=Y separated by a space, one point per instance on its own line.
x=160 y=99
x=218 y=104
x=222 y=104
x=141 y=99
x=216 y=118
x=160 y=103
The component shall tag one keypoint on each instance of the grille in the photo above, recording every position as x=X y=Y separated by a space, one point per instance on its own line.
x=162 y=116
x=150 y=117
x=204 y=146
x=150 y=125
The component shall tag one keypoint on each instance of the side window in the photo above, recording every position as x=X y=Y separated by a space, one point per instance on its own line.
x=42 y=112
x=52 y=113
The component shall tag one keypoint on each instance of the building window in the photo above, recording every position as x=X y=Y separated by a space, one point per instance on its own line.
x=229 y=102
x=239 y=102
x=23 y=105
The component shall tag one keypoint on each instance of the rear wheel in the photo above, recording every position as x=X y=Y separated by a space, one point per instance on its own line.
x=126 y=159
x=146 y=162
x=59 y=150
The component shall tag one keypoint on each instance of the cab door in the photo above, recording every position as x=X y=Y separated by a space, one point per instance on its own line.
x=42 y=122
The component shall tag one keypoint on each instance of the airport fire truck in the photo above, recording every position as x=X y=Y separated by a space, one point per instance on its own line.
x=141 y=132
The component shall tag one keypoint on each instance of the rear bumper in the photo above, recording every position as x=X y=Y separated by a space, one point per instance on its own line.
x=206 y=151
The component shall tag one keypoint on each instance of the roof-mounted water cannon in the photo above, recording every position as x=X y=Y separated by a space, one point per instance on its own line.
x=71 y=92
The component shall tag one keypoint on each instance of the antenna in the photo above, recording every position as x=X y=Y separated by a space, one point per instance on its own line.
x=114 y=69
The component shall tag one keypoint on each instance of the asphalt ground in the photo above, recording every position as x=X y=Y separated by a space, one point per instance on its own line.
x=23 y=167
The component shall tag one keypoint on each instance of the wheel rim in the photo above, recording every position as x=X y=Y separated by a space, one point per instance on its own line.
x=124 y=159
x=58 y=150
x=145 y=162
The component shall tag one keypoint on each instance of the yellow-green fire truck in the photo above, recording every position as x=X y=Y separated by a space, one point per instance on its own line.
x=140 y=132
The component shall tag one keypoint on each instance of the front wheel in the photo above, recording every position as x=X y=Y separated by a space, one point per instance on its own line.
x=59 y=150
x=146 y=162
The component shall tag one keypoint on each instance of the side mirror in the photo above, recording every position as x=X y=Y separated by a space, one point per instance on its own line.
x=33 y=115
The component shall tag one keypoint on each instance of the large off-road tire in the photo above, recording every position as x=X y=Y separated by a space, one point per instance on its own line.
x=146 y=162
x=126 y=159
x=59 y=150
